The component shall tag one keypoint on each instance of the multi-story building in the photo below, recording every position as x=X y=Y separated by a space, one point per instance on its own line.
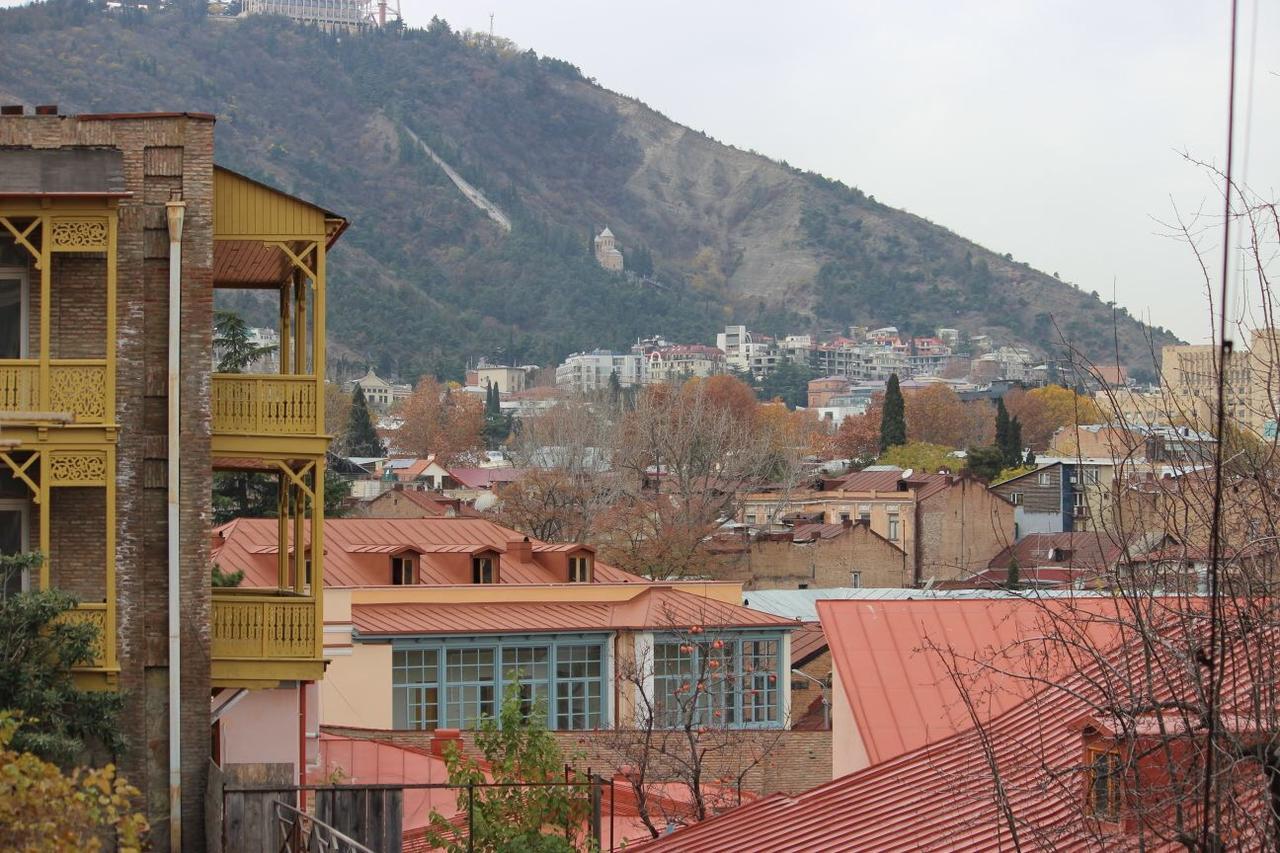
x=115 y=230
x=585 y=372
x=683 y=361
x=949 y=527
x=328 y=15
x=508 y=380
x=380 y=394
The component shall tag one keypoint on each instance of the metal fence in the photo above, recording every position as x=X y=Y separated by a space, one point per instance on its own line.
x=370 y=818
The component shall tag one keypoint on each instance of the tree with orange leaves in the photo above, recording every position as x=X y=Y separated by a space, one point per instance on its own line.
x=1041 y=411
x=437 y=420
x=859 y=435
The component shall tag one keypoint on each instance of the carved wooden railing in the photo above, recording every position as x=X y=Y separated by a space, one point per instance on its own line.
x=261 y=626
x=76 y=386
x=265 y=404
x=95 y=615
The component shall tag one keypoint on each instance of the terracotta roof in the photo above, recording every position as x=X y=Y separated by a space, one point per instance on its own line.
x=431 y=504
x=941 y=796
x=924 y=485
x=807 y=643
x=887 y=656
x=1093 y=552
x=249 y=545
x=656 y=607
x=810 y=532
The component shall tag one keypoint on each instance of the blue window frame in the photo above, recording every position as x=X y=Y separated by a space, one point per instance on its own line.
x=718 y=679
x=456 y=682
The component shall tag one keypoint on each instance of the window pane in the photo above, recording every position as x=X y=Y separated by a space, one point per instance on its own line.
x=10 y=317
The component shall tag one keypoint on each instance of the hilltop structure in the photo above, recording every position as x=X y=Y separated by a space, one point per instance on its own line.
x=608 y=255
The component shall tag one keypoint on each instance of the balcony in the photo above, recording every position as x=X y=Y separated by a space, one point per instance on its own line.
x=76 y=387
x=260 y=637
x=270 y=413
x=101 y=669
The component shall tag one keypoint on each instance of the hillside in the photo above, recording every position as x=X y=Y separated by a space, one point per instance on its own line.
x=425 y=278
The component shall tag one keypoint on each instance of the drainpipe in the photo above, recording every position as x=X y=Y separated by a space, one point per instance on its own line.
x=174 y=211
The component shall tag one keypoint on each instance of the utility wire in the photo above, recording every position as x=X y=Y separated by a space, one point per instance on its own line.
x=1213 y=659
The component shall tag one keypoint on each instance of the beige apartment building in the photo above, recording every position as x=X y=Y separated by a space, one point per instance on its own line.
x=1189 y=373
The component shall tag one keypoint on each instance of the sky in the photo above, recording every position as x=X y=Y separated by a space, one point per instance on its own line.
x=1054 y=130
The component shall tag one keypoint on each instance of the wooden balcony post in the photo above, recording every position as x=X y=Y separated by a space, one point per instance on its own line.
x=46 y=307
x=317 y=555
x=317 y=338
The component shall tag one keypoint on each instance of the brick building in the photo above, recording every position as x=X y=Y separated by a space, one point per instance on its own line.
x=102 y=218
x=948 y=527
x=812 y=556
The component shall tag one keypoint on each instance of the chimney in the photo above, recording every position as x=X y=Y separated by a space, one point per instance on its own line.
x=46 y=109
x=847 y=522
x=441 y=738
x=11 y=110
x=397 y=487
x=520 y=549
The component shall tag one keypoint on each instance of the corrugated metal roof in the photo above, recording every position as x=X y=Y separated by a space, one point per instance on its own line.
x=942 y=796
x=249 y=545
x=794 y=603
x=651 y=608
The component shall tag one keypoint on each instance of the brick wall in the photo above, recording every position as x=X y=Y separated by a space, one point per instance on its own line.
x=141 y=349
x=962 y=528
x=792 y=761
x=823 y=563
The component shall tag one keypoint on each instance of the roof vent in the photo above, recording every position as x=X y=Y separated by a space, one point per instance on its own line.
x=11 y=110
x=46 y=109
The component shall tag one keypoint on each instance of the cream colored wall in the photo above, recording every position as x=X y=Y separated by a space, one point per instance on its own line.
x=356 y=690
x=847 y=750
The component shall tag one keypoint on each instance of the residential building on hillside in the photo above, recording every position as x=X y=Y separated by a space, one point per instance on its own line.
x=508 y=380
x=685 y=361
x=608 y=253
x=948 y=526
x=328 y=15
x=585 y=372
x=1060 y=496
x=429 y=619
x=380 y=394
x=104 y=219
x=822 y=390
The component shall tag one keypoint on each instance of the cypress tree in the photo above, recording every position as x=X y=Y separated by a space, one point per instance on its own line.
x=1013 y=453
x=1002 y=428
x=362 y=438
x=1013 y=579
x=893 y=419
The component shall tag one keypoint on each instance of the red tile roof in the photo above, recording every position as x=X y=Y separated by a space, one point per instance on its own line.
x=355 y=551
x=888 y=656
x=484 y=478
x=657 y=607
x=431 y=505
x=1089 y=551
x=806 y=643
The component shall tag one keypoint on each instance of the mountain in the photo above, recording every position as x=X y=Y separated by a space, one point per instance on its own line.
x=428 y=141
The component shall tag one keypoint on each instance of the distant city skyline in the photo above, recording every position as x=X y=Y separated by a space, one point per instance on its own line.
x=1052 y=132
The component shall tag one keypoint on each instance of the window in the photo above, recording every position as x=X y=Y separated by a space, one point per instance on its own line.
x=716 y=681
x=864 y=512
x=855 y=580
x=471 y=686
x=13 y=313
x=893 y=528
x=844 y=516
x=1078 y=505
x=1091 y=474
x=457 y=686
x=579 y=672
x=1104 y=776
x=482 y=569
x=580 y=569
x=1044 y=478
x=1015 y=498
x=415 y=689
x=13 y=540
x=403 y=571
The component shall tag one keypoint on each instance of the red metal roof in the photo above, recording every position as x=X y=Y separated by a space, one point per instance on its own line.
x=655 y=607
x=808 y=642
x=484 y=478
x=355 y=551
x=889 y=657
x=1079 y=550
x=942 y=796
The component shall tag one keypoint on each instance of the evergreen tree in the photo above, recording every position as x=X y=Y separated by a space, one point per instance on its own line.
x=1012 y=579
x=497 y=426
x=985 y=462
x=1030 y=460
x=1013 y=452
x=1002 y=426
x=362 y=438
x=893 y=419
x=231 y=340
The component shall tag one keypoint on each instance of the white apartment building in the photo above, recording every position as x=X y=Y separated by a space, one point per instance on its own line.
x=590 y=371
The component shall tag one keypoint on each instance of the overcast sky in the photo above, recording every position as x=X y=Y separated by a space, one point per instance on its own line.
x=1051 y=130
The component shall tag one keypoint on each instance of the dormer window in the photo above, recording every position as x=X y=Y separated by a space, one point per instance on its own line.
x=580 y=569
x=404 y=570
x=482 y=570
x=1102 y=797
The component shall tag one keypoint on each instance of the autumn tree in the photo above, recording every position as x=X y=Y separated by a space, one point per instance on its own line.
x=921 y=456
x=936 y=415
x=1042 y=411
x=337 y=415
x=437 y=420
x=858 y=437
x=893 y=419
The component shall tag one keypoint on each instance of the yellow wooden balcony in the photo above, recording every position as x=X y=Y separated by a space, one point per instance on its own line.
x=269 y=412
x=264 y=636
x=76 y=387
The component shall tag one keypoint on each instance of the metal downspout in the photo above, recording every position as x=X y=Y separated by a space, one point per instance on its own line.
x=175 y=212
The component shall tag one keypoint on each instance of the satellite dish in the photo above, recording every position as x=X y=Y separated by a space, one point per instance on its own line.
x=906 y=475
